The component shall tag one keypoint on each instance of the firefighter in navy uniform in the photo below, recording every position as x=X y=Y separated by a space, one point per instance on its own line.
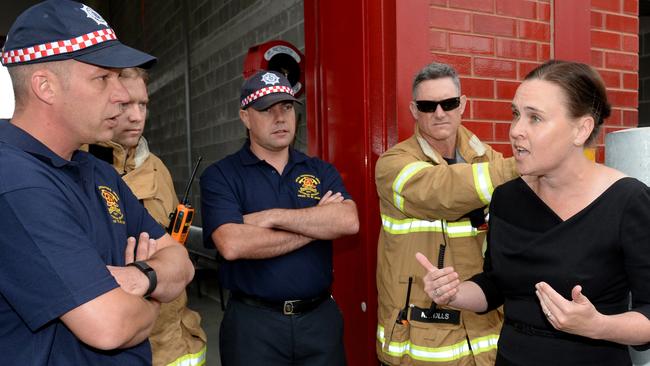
x=272 y=212
x=74 y=289
x=433 y=189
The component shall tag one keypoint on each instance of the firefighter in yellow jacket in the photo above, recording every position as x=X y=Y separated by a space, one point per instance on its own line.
x=177 y=337
x=433 y=192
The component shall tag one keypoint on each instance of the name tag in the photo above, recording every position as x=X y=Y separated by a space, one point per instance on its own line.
x=447 y=316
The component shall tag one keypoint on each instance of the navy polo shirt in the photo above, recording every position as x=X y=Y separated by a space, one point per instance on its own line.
x=241 y=184
x=63 y=222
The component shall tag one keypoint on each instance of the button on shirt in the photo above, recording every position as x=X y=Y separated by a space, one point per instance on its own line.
x=241 y=184
x=64 y=221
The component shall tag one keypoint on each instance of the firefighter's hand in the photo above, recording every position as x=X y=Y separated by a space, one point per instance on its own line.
x=130 y=278
x=330 y=197
x=144 y=250
x=440 y=284
x=575 y=316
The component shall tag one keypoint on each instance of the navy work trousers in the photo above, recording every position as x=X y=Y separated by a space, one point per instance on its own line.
x=253 y=335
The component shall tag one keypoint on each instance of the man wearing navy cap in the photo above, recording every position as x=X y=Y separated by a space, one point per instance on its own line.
x=74 y=290
x=272 y=212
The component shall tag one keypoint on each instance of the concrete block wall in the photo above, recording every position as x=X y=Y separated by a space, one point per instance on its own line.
x=217 y=34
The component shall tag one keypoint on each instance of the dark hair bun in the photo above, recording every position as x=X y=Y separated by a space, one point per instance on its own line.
x=606 y=111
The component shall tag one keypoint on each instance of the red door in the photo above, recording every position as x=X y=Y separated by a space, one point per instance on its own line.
x=354 y=113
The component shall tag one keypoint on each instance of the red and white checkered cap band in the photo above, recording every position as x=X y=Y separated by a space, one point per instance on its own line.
x=58 y=47
x=266 y=91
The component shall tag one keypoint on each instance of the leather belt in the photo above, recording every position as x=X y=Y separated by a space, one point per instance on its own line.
x=288 y=307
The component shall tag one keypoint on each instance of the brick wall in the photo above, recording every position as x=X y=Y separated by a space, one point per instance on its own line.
x=615 y=47
x=492 y=44
x=219 y=33
x=644 y=71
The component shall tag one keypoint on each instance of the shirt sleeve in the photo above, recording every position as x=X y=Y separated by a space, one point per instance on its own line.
x=635 y=240
x=48 y=266
x=493 y=295
x=219 y=204
x=334 y=181
x=484 y=280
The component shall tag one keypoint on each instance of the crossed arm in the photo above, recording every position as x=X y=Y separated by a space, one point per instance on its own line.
x=274 y=232
x=166 y=256
x=122 y=318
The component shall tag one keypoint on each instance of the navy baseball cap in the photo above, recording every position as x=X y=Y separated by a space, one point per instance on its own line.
x=63 y=29
x=265 y=89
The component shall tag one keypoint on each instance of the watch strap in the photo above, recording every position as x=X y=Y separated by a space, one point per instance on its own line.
x=149 y=272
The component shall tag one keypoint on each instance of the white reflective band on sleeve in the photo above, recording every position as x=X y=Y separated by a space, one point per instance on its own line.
x=194 y=359
x=458 y=229
x=437 y=354
x=404 y=175
x=482 y=182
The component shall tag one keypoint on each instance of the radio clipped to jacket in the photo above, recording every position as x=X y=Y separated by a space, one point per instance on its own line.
x=181 y=219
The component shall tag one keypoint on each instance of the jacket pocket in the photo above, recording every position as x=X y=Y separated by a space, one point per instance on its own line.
x=440 y=343
x=392 y=339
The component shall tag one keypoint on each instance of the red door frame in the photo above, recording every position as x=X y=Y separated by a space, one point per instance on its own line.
x=356 y=94
x=350 y=85
x=360 y=60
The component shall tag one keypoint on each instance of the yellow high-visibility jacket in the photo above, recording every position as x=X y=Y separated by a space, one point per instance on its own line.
x=177 y=337
x=420 y=195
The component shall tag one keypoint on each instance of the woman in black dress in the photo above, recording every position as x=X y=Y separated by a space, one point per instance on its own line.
x=568 y=241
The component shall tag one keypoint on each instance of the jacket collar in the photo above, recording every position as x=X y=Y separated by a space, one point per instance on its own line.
x=126 y=160
x=467 y=144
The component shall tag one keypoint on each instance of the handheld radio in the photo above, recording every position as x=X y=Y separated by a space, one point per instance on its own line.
x=181 y=219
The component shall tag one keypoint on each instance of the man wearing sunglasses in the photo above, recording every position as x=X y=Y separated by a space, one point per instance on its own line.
x=433 y=192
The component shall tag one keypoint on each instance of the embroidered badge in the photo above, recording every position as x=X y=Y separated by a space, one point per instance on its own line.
x=92 y=14
x=308 y=186
x=270 y=78
x=112 y=204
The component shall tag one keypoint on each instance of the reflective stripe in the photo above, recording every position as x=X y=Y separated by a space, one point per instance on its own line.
x=395 y=349
x=404 y=175
x=440 y=354
x=437 y=354
x=458 y=229
x=194 y=359
x=484 y=344
x=482 y=182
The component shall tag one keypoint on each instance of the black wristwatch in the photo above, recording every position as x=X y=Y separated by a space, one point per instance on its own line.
x=149 y=272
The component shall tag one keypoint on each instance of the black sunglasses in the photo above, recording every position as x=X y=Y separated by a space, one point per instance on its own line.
x=429 y=106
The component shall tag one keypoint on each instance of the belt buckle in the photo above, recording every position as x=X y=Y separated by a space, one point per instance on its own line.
x=289 y=308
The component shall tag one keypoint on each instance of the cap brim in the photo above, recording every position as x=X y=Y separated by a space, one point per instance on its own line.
x=271 y=99
x=116 y=55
